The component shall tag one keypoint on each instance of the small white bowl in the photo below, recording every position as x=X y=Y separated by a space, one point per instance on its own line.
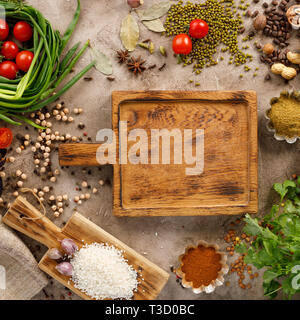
x=277 y=136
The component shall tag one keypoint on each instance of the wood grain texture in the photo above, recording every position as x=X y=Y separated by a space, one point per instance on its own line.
x=78 y=154
x=82 y=231
x=228 y=184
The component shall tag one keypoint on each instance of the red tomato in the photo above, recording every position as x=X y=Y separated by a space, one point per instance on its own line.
x=24 y=59
x=22 y=31
x=198 y=28
x=182 y=44
x=9 y=50
x=4 y=29
x=6 y=137
x=8 y=69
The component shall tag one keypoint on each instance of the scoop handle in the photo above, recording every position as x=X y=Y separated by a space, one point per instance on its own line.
x=24 y=217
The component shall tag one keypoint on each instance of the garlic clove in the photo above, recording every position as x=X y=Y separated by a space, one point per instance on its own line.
x=69 y=246
x=54 y=254
x=65 y=268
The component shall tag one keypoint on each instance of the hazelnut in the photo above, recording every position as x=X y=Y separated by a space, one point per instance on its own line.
x=268 y=48
x=260 y=22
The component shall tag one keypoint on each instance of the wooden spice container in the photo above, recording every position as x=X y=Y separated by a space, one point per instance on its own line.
x=202 y=267
x=226 y=185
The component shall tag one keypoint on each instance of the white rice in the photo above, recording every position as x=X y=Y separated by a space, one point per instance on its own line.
x=100 y=271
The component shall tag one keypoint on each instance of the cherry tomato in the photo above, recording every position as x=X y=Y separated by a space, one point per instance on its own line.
x=8 y=69
x=6 y=137
x=182 y=44
x=22 y=31
x=198 y=28
x=9 y=50
x=4 y=29
x=24 y=59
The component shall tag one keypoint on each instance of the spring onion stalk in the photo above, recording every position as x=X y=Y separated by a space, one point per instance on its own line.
x=36 y=88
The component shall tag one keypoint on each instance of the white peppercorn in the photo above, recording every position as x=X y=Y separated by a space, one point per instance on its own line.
x=18 y=173
x=84 y=184
x=46 y=189
x=56 y=214
x=95 y=190
x=20 y=184
x=41 y=194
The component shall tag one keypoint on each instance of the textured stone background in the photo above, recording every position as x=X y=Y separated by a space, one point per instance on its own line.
x=163 y=239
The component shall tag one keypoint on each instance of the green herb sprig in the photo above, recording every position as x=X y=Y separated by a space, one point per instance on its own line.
x=276 y=244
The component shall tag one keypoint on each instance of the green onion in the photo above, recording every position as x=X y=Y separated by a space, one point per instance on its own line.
x=34 y=90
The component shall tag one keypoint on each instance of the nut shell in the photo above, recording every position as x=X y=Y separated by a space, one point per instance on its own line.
x=289 y=73
x=260 y=22
x=277 y=68
x=268 y=48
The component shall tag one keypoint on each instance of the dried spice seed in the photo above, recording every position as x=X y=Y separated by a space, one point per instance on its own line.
x=122 y=56
x=152 y=66
x=136 y=65
x=162 y=67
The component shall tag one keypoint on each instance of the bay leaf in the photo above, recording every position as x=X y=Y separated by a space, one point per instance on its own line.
x=154 y=25
x=103 y=63
x=155 y=11
x=129 y=33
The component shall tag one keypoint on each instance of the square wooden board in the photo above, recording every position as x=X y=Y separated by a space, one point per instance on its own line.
x=228 y=184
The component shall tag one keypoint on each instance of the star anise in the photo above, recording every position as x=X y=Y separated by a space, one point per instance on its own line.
x=136 y=65
x=122 y=56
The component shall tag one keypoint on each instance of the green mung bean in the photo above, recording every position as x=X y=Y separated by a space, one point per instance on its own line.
x=224 y=26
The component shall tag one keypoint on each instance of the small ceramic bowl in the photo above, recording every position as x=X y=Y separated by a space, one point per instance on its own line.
x=292 y=13
x=278 y=137
x=215 y=283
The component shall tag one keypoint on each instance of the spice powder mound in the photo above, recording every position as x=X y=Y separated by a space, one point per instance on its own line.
x=201 y=265
x=285 y=116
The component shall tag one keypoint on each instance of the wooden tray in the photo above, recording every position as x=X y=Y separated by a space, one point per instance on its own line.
x=82 y=231
x=228 y=184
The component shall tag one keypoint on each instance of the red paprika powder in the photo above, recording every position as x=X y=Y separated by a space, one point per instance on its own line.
x=201 y=265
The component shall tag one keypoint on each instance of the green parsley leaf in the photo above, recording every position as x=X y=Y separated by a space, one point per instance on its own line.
x=271 y=288
x=252 y=227
x=276 y=245
x=282 y=189
x=269 y=276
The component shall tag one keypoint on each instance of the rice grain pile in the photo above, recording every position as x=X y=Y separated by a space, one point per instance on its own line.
x=100 y=271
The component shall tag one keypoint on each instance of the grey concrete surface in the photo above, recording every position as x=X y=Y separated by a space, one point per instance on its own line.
x=160 y=239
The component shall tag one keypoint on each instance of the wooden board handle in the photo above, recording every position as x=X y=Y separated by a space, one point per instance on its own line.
x=42 y=229
x=78 y=154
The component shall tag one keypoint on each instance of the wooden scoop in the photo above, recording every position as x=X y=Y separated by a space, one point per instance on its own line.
x=82 y=231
